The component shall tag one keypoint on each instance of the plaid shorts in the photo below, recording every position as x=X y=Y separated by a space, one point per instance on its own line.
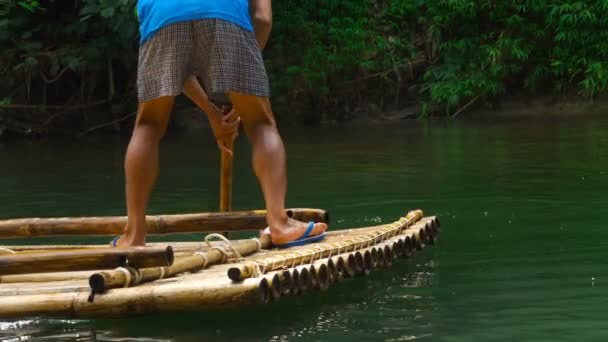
x=224 y=56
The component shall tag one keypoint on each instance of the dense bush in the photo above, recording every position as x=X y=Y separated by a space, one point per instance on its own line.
x=327 y=59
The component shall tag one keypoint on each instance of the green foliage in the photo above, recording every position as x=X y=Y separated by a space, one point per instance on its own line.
x=66 y=49
x=473 y=49
x=490 y=47
x=329 y=58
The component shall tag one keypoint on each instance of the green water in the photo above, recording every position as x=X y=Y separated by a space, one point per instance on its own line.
x=522 y=255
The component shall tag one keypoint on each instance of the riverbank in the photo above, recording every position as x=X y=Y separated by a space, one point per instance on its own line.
x=188 y=119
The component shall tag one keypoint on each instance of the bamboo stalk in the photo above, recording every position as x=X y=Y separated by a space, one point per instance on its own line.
x=295 y=281
x=203 y=289
x=359 y=267
x=323 y=280
x=189 y=246
x=430 y=235
x=388 y=256
x=374 y=253
x=381 y=258
x=161 y=224
x=408 y=247
x=45 y=277
x=314 y=277
x=17 y=289
x=274 y=283
x=399 y=247
x=308 y=254
x=169 y=296
x=226 y=180
x=331 y=271
x=436 y=223
x=286 y=282
x=367 y=261
x=304 y=283
x=351 y=267
x=85 y=260
x=417 y=243
x=102 y=281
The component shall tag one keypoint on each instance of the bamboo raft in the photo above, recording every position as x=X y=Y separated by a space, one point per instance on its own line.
x=89 y=281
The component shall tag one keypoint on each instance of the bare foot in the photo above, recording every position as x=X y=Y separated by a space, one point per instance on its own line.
x=292 y=230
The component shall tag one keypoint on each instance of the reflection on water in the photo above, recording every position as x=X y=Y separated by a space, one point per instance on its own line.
x=519 y=258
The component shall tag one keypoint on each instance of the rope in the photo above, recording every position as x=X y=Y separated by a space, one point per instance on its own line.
x=257 y=270
x=236 y=253
x=204 y=256
x=138 y=276
x=258 y=244
x=127 y=274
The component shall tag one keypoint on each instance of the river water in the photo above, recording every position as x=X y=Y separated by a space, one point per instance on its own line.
x=522 y=254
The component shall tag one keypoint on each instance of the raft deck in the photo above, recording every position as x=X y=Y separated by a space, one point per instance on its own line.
x=218 y=274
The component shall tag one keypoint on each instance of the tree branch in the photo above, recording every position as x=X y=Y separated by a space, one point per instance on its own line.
x=94 y=128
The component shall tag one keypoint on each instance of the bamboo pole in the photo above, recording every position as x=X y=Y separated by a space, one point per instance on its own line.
x=374 y=253
x=85 y=260
x=359 y=267
x=18 y=289
x=409 y=249
x=275 y=286
x=399 y=247
x=168 y=296
x=188 y=246
x=226 y=175
x=436 y=223
x=340 y=268
x=388 y=256
x=308 y=254
x=323 y=277
x=304 y=281
x=367 y=261
x=160 y=224
x=45 y=277
x=314 y=277
x=381 y=258
x=428 y=231
x=350 y=266
x=195 y=290
x=331 y=271
x=102 y=281
x=295 y=280
x=286 y=282
x=226 y=181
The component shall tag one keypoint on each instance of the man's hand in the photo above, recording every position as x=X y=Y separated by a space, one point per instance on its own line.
x=225 y=125
x=225 y=128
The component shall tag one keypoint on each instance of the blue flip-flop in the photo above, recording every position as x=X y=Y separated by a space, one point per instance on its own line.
x=113 y=242
x=304 y=239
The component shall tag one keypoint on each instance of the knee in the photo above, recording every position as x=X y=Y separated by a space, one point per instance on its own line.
x=153 y=117
x=150 y=129
x=259 y=129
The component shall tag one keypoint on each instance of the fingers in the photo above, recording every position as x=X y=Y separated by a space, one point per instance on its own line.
x=222 y=146
x=232 y=116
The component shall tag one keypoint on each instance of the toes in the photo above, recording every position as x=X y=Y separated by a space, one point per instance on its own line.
x=319 y=228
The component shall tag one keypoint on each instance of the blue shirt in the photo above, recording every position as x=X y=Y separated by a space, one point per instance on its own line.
x=156 y=14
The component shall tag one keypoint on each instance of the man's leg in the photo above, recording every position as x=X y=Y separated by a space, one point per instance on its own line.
x=141 y=166
x=269 y=165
